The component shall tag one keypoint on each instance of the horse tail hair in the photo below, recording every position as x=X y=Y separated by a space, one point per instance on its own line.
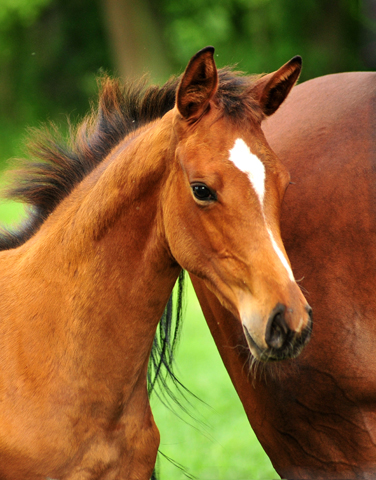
x=161 y=376
x=162 y=357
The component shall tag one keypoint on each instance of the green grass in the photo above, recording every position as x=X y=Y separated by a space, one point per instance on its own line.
x=218 y=443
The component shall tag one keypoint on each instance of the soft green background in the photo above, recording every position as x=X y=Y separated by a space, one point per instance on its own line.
x=51 y=51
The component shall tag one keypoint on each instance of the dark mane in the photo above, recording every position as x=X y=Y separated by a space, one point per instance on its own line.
x=59 y=163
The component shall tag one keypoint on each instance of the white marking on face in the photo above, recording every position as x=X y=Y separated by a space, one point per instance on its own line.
x=252 y=166
x=283 y=259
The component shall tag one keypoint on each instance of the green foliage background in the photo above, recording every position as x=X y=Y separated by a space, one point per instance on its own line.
x=52 y=50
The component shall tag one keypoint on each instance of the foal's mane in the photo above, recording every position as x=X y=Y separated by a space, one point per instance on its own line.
x=58 y=163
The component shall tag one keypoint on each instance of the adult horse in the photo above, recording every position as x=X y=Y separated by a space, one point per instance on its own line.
x=142 y=190
x=315 y=416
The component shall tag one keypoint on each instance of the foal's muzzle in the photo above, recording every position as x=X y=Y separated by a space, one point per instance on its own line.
x=281 y=342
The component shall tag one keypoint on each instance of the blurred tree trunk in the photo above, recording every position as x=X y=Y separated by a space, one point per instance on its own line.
x=368 y=34
x=136 y=39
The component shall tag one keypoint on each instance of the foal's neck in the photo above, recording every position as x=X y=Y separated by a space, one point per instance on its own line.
x=104 y=245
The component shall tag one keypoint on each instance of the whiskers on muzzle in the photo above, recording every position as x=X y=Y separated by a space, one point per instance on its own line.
x=291 y=346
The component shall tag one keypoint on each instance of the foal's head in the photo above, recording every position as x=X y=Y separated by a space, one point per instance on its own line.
x=222 y=204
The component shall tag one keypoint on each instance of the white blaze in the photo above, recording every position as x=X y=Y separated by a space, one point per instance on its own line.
x=252 y=166
x=283 y=259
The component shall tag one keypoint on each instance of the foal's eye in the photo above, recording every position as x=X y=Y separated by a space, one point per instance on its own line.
x=203 y=192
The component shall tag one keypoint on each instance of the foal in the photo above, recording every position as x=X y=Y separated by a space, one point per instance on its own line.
x=148 y=187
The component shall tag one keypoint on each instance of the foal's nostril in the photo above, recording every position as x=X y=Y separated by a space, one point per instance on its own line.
x=276 y=329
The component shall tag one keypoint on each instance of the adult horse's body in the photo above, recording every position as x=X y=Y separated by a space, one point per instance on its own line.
x=146 y=188
x=315 y=415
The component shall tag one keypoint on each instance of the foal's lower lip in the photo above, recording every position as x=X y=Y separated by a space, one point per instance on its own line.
x=251 y=342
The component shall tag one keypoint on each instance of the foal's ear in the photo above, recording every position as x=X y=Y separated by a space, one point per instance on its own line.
x=198 y=85
x=272 y=89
